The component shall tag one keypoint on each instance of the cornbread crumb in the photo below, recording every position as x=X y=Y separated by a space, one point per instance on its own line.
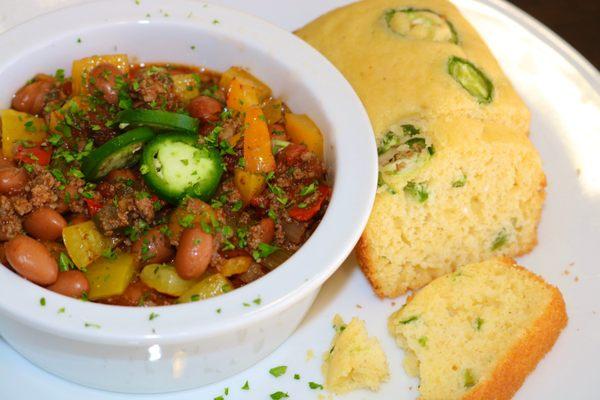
x=478 y=332
x=354 y=361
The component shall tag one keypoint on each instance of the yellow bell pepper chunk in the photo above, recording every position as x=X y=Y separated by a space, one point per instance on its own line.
x=262 y=91
x=211 y=286
x=302 y=130
x=241 y=96
x=273 y=110
x=186 y=87
x=257 y=143
x=82 y=68
x=248 y=184
x=164 y=278
x=18 y=128
x=85 y=243
x=75 y=107
x=235 y=266
x=110 y=277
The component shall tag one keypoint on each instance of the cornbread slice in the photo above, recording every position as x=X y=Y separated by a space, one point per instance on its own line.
x=398 y=75
x=480 y=195
x=355 y=361
x=478 y=332
x=459 y=179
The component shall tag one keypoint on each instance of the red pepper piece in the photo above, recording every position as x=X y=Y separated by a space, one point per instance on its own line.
x=305 y=214
x=33 y=155
x=93 y=206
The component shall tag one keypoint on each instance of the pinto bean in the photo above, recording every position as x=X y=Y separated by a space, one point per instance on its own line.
x=12 y=180
x=264 y=231
x=103 y=78
x=5 y=162
x=31 y=98
x=194 y=253
x=70 y=283
x=205 y=108
x=44 y=223
x=32 y=260
x=118 y=175
x=152 y=248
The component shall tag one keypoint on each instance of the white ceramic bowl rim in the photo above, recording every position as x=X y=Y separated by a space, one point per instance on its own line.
x=339 y=230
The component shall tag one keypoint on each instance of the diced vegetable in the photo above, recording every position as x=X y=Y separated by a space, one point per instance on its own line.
x=276 y=259
x=191 y=213
x=249 y=185
x=74 y=107
x=417 y=191
x=34 y=155
x=241 y=96
x=421 y=23
x=165 y=279
x=85 y=243
x=174 y=165
x=159 y=119
x=262 y=91
x=273 y=110
x=186 y=87
x=257 y=143
x=235 y=266
x=471 y=78
x=110 y=276
x=302 y=130
x=211 y=286
x=81 y=69
x=19 y=129
x=306 y=213
x=120 y=152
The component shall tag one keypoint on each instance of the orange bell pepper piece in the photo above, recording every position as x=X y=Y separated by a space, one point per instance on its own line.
x=302 y=130
x=241 y=96
x=257 y=142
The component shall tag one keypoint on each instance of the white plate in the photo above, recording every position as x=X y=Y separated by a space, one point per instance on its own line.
x=562 y=90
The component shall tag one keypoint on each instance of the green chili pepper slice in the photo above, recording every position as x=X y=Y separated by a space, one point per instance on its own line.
x=421 y=23
x=157 y=119
x=174 y=165
x=471 y=78
x=120 y=152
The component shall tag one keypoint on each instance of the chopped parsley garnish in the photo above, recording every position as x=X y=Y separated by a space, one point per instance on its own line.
x=279 y=395
x=309 y=189
x=264 y=250
x=153 y=316
x=195 y=297
x=43 y=301
x=257 y=300
x=500 y=240
x=61 y=310
x=110 y=254
x=297 y=377
x=246 y=386
x=91 y=325
x=64 y=262
x=460 y=182
x=478 y=323
x=469 y=378
x=237 y=206
x=278 y=371
x=314 y=385
x=409 y=320
x=423 y=341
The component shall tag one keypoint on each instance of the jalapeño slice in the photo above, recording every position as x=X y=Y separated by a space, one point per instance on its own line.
x=174 y=165
x=421 y=23
x=120 y=152
x=157 y=119
x=471 y=78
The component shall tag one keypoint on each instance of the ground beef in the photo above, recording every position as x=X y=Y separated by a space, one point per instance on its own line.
x=155 y=88
x=10 y=223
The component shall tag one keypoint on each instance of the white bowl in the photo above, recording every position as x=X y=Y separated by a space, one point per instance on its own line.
x=186 y=346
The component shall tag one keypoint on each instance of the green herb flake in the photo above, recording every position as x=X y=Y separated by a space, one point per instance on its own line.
x=478 y=323
x=469 y=378
x=153 y=316
x=409 y=320
x=423 y=341
x=500 y=240
x=91 y=325
x=460 y=182
x=42 y=301
x=264 y=250
x=297 y=377
x=64 y=262
x=279 y=395
x=309 y=189
x=314 y=386
x=278 y=371
x=246 y=386
x=257 y=300
x=61 y=310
